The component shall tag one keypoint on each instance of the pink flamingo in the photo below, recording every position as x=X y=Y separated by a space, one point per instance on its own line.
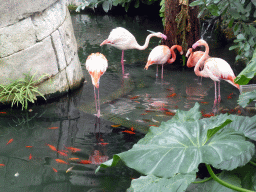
x=96 y=65
x=122 y=39
x=161 y=54
x=215 y=68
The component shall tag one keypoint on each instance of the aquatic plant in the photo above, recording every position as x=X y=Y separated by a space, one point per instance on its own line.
x=168 y=156
x=240 y=15
x=21 y=91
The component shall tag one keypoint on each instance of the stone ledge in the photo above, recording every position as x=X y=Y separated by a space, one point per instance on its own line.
x=17 y=37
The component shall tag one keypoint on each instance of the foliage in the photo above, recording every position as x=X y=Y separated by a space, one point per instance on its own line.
x=162 y=10
x=107 y=4
x=169 y=155
x=239 y=15
x=21 y=91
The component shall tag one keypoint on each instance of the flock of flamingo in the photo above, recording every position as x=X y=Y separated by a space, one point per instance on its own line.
x=205 y=66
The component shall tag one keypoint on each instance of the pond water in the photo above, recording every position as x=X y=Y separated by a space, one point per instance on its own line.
x=39 y=153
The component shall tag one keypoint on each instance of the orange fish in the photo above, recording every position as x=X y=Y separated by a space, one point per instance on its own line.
x=143 y=114
x=2 y=112
x=203 y=102
x=169 y=113
x=62 y=153
x=53 y=128
x=85 y=162
x=153 y=125
x=132 y=129
x=29 y=146
x=135 y=97
x=73 y=159
x=127 y=131
x=115 y=125
x=163 y=109
x=207 y=114
x=1 y=165
x=73 y=149
x=60 y=161
x=11 y=140
x=55 y=170
x=30 y=157
x=52 y=147
x=172 y=95
x=148 y=111
x=103 y=143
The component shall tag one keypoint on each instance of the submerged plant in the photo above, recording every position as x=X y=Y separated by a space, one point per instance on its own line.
x=169 y=155
x=21 y=91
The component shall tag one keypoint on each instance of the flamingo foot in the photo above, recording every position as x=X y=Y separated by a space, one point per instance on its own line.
x=126 y=75
x=219 y=99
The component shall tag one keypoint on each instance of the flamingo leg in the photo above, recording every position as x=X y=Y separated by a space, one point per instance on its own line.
x=219 y=97
x=98 y=114
x=95 y=98
x=122 y=61
x=156 y=71
x=215 y=100
x=162 y=71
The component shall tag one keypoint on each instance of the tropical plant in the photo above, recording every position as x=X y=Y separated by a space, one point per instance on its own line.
x=240 y=15
x=107 y=4
x=21 y=91
x=168 y=156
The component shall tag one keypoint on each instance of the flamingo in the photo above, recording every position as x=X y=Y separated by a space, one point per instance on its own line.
x=122 y=39
x=161 y=54
x=215 y=68
x=96 y=65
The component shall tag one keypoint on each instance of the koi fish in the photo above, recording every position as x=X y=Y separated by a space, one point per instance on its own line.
x=55 y=170
x=132 y=129
x=52 y=127
x=136 y=101
x=103 y=144
x=73 y=149
x=127 y=131
x=163 y=109
x=30 y=157
x=172 y=95
x=169 y=113
x=116 y=125
x=29 y=146
x=73 y=159
x=52 y=147
x=153 y=125
x=2 y=165
x=2 y=112
x=85 y=162
x=148 y=111
x=69 y=169
x=61 y=161
x=207 y=115
x=203 y=102
x=11 y=140
x=135 y=97
x=143 y=113
x=62 y=153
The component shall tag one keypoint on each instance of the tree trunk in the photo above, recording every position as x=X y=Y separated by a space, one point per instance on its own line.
x=181 y=24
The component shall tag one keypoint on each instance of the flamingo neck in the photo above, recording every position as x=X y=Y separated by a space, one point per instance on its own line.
x=139 y=47
x=197 y=66
x=172 y=54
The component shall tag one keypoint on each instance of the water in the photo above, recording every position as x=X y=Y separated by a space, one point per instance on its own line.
x=139 y=101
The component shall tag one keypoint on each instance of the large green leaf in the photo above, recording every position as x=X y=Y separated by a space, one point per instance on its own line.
x=245 y=125
x=213 y=186
x=178 y=183
x=181 y=146
x=248 y=72
x=246 y=98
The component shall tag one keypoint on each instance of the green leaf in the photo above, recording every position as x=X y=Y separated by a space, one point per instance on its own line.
x=151 y=183
x=243 y=124
x=233 y=47
x=214 y=9
x=240 y=37
x=230 y=24
x=213 y=186
x=246 y=98
x=196 y=3
x=137 y=4
x=248 y=72
x=181 y=146
x=106 y=6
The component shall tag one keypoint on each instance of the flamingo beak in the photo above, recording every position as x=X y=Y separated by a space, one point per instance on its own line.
x=105 y=42
x=188 y=53
x=164 y=36
x=181 y=52
x=151 y=31
x=195 y=45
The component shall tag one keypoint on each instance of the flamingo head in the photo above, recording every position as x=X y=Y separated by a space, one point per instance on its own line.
x=199 y=43
x=189 y=52
x=106 y=42
x=148 y=64
x=158 y=34
x=179 y=48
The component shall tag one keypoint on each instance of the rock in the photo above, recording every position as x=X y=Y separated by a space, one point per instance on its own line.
x=17 y=37
x=39 y=59
x=49 y=20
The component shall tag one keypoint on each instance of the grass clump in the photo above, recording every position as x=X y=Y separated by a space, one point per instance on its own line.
x=21 y=91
